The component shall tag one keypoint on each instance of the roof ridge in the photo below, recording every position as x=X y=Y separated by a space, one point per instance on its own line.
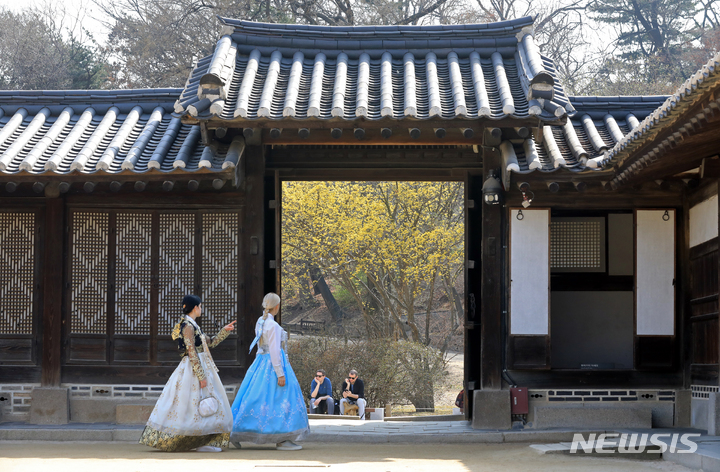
x=508 y=27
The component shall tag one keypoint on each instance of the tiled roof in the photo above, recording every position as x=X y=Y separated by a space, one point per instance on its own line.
x=98 y=131
x=663 y=119
x=297 y=72
x=598 y=124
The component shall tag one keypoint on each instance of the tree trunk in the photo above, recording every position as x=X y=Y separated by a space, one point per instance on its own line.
x=321 y=286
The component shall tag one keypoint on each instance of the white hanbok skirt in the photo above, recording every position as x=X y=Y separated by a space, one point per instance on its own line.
x=175 y=423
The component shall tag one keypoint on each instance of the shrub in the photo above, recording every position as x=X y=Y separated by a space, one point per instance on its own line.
x=392 y=371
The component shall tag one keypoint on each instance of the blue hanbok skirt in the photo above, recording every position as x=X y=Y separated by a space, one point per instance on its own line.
x=264 y=412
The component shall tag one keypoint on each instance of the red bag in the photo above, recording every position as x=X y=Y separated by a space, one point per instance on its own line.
x=460 y=401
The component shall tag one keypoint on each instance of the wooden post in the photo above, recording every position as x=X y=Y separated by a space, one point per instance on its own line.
x=277 y=226
x=473 y=286
x=491 y=268
x=253 y=249
x=52 y=292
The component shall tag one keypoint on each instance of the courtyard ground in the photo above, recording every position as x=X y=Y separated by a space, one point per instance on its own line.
x=30 y=456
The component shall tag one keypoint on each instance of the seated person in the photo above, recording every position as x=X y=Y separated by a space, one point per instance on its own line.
x=321 y=400
x=353 y=391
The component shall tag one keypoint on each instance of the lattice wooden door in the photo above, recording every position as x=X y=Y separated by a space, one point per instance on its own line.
x=19 y=307
x=128 y=272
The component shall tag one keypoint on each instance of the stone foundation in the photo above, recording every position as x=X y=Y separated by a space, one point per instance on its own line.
x=50 y=405
x=89 y=403
x=15 y=405
x=491 y=409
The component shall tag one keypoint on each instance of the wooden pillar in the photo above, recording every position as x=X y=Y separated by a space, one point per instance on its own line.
x=271 y=205
x=253 y=249
x=473 y=245
x=52 y=291
x=276 y=218
x=684 y=293
x=491 y=268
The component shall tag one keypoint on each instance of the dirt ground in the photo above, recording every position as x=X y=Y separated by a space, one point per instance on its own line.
x=22 y=456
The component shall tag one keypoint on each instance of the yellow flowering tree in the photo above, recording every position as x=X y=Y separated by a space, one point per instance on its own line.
x=391 y=245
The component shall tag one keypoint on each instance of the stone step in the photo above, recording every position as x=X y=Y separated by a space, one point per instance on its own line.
x=592 y=416
x=608 y=447
x=133 y=413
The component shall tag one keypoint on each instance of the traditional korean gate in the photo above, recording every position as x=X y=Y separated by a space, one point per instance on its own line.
x=127 y=273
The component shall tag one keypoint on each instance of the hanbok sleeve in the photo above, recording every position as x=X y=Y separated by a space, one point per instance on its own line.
x=189 y=336
x=218 y=338
x=273 y=339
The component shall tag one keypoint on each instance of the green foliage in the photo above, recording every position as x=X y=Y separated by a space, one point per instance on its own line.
x=648 y=28
x=392 y=371
x=344 y=297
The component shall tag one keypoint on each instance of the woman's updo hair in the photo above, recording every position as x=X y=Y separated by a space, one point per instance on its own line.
x=270 y=301
x=190 y=302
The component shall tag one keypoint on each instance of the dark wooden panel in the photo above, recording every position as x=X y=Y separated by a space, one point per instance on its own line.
x=654 y=352
x=703 y=248
x=87 y=349
x=556 y=379
x=529 y=352
x=226 y=351
x=16 y=350
x=167 y=350
x=131 y=349
x=704 y=374
x=705 y=342
x=19 y=374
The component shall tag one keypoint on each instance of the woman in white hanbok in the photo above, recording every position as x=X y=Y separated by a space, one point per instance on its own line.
x=176 y=423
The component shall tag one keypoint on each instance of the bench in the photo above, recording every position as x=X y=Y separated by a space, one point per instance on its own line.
x=312 y=326
x=370 y=414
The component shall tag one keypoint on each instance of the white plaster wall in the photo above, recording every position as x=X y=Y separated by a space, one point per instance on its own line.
x=529 y=272
x=655 y=295
x=704 y=221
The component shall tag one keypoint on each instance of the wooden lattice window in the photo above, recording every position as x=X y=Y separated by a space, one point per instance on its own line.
x=133 y=264
x=220 y=266
x=88 y=294
x=17 y=282
x=176 y=265
x=577 y=244
x=130 y=270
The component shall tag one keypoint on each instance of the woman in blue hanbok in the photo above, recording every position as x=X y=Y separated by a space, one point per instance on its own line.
x=269 y=407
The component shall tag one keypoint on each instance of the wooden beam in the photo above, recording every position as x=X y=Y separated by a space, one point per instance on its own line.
x=596 y=197
x=52 y=291
x=492 y=137
x=710 y=168
x=388 y=122
x=374 y=137
x=152 y=175
x=374 y=174
x=372 y=158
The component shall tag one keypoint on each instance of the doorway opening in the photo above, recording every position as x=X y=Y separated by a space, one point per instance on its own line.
x=372 y=279
x=592 y=290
